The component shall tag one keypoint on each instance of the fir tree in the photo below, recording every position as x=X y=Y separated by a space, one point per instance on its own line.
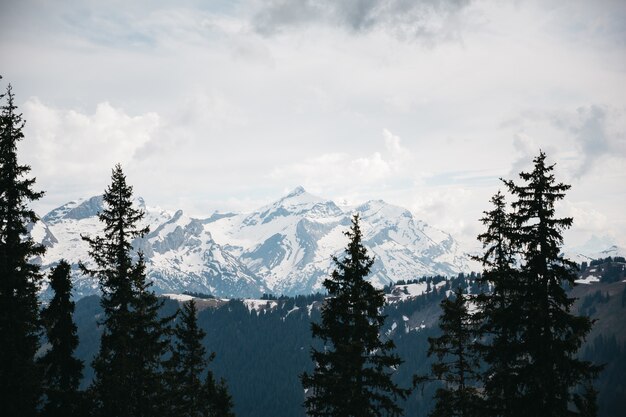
x=550 y=335
x=20 y=386
x=189 y=396
x=150 y=337
x=457 y=363
x=587 y=402
x=62 y=372
x=128 y=372
x=217 y=396
x=352 y=376
x=500 y=312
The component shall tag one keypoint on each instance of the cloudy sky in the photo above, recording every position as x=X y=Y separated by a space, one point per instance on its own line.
x=230 y=104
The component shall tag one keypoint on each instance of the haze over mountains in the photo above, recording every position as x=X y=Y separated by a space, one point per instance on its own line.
x=285 y=247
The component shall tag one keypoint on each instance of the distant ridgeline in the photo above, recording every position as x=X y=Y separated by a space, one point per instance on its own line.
x=263 y=345
x=285 y=247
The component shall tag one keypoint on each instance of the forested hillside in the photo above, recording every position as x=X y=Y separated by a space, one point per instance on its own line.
x=261 y=351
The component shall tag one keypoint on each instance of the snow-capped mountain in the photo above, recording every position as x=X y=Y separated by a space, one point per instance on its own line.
x=290 y=243
x=180 y=254
x=284 y=247
x=597 y=247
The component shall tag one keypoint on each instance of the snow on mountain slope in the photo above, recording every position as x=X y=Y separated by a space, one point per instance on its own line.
x=596 y=247
x=284 y=247
x=180 y=253
x=579 y=256
x=275 y=241
x=290 y=243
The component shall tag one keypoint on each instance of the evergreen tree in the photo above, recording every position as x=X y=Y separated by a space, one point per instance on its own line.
x=20 y=387
x=352 y=375
x=500 y=312
x=128 y=373
x=457 y=364
x=62 y=372
x=217 y=397
x=587 y=402
x=550 y=335
x=189 y=396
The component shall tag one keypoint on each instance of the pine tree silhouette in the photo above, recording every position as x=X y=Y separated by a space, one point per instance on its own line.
x=20 y=327
x=62 y=372
x=457 y=363
x=500 y=311
x=352 y=376
x=189 y=395
x=128 y=368
x=532 y=367
x=217 y=397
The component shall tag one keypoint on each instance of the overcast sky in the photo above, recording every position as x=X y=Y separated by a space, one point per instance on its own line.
x=228 y=105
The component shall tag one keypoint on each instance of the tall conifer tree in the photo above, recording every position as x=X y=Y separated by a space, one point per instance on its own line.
x=128 y=380
x=150 y=338
x=186 y=365
x=457 y=364
x=189 y=396
x=500 y=312
x=217 y=395
x=62 y=372
x=20 y=387
x=552 y=335
x=352 y=375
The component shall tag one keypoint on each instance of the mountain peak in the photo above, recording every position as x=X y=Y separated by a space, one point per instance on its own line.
x=76 y=210
x=382 y=209
x=299 y=190
x=298 y=196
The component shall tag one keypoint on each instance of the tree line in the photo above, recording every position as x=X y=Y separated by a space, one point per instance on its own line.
x=508 y=351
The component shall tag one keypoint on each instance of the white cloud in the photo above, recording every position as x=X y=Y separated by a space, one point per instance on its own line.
x=586 y=217
x=598 y=134
x=334 y=171
x=208 y=112
x=583 y=138
x=69 y=151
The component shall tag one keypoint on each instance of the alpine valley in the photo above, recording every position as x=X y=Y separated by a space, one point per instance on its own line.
x=283 y=248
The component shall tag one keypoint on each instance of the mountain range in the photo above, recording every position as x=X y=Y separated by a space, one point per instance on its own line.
x=286 y=247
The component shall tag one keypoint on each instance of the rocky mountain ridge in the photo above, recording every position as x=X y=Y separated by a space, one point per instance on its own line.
x=285 y=247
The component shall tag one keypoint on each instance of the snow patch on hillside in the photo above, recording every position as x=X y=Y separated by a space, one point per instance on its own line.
x=259 y=305
x=589 y=279
x=183 y=298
